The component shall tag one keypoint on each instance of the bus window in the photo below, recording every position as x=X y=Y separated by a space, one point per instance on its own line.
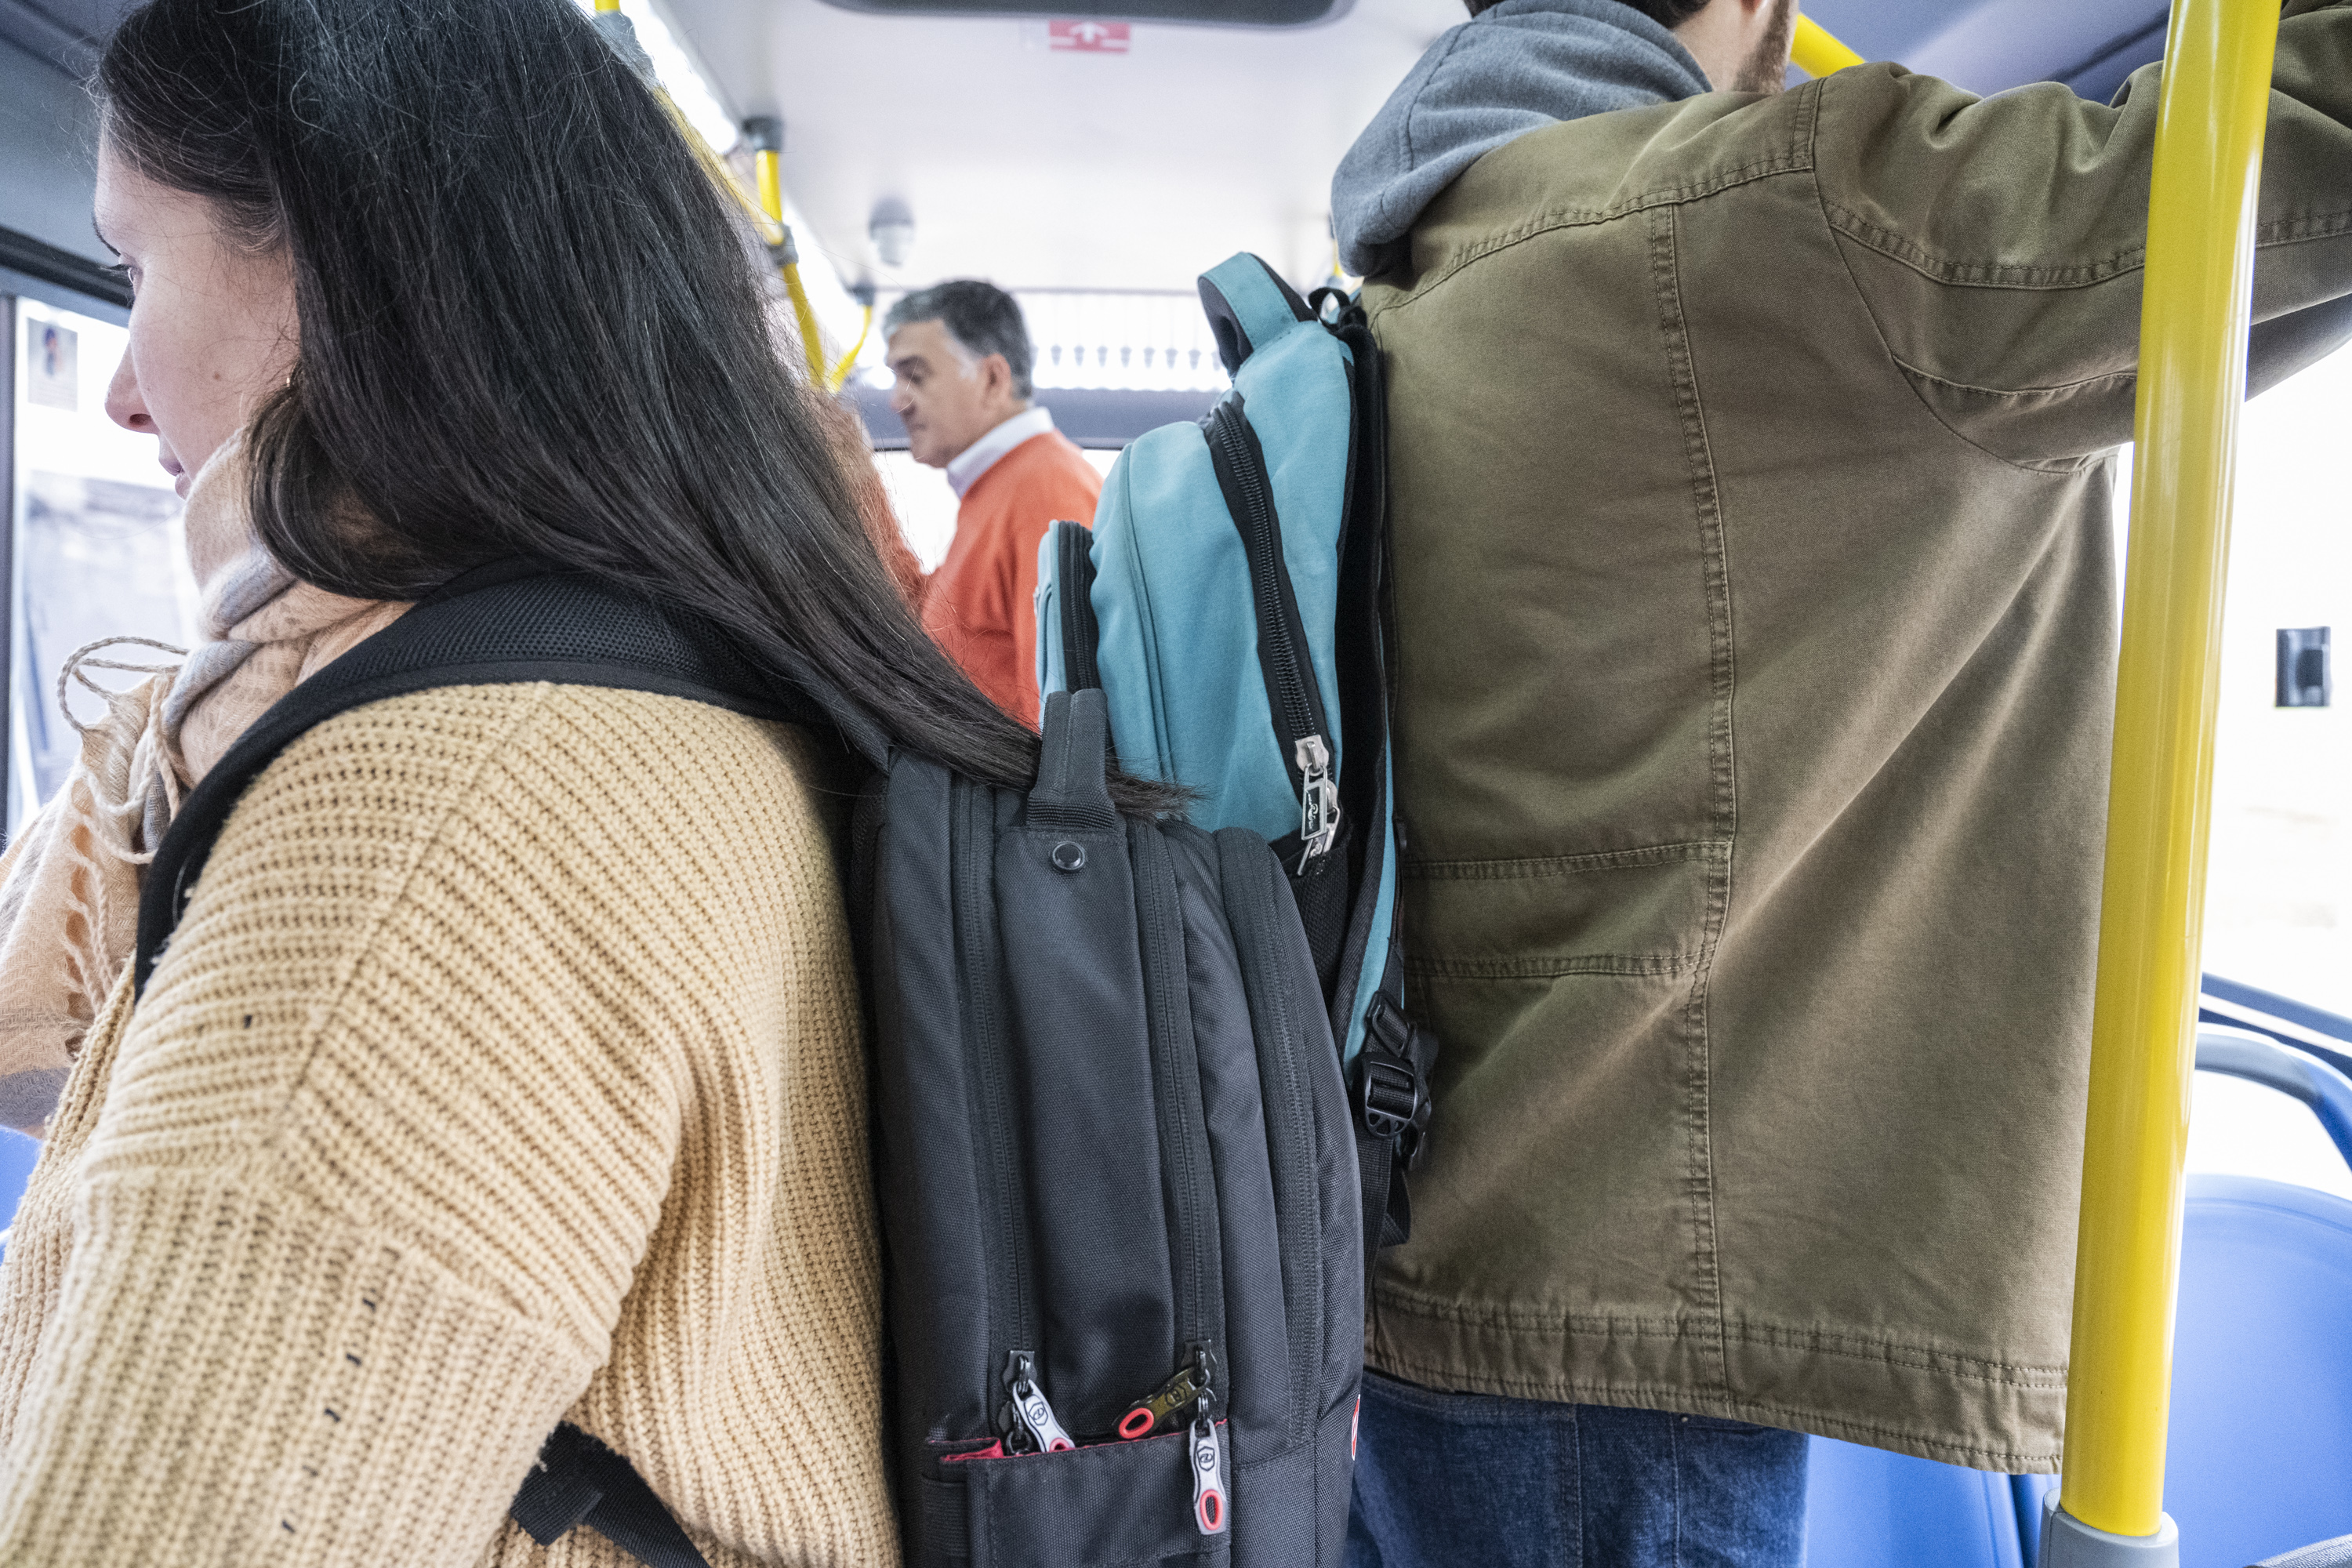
x=2278 y=891
x=2278 y=888
x=95 y=544
x=2278 y=901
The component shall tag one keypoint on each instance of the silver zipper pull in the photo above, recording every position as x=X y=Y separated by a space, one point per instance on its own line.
x=1318 y=798
x=1209 y=1511
x=1030 y=1407
x=1208 y=1476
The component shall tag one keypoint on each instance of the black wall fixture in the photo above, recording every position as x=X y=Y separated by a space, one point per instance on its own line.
x=2304 y=678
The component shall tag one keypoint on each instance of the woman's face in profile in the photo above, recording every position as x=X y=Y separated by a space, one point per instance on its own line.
x=212 y=318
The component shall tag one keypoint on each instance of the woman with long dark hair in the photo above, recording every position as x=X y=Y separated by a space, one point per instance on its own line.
x=505 y=1069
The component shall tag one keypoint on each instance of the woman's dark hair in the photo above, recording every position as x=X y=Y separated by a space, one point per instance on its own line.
x=530 y=326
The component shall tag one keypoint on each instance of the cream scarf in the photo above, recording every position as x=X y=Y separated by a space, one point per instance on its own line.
x=69 y=883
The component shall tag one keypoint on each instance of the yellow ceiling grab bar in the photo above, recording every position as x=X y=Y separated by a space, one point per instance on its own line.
x=836 y=378
x=1816 y=52
x=766 y=210
x=766 y=136
x=2196 y=306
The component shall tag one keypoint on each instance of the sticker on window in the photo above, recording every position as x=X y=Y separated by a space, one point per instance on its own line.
x=52 y=377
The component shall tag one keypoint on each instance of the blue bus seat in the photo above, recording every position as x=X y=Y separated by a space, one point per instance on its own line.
x=2256 y=1461
x=1865 y=1508
x=2259 y=1457
x=2335 y=1553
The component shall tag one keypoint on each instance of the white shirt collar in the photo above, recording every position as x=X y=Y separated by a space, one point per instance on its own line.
x=966 y=467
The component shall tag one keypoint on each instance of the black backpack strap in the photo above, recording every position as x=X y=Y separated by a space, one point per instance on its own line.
x=510 y=622
x=1390 y=1092
x=578 y=1481
x=1391 y=1104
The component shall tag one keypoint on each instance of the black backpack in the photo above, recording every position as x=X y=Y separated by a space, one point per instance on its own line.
x=1124 y=1274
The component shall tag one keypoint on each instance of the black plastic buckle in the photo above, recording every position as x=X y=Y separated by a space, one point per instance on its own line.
x=1391 y=1089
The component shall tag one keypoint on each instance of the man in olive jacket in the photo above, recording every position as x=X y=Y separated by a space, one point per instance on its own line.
x=1751 y=456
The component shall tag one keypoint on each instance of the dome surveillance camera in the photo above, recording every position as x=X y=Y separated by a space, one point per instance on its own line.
x=892 y=229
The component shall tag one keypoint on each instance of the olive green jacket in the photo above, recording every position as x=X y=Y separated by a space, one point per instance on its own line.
x=1754 y=589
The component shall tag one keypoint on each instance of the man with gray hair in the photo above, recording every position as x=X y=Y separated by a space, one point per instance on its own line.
x=961 y=354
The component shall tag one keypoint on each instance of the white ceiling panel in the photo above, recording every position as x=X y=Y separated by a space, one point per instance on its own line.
x=1046 y=169
x=1041 y=168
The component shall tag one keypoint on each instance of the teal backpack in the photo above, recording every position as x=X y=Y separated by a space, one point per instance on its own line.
x=1230 y=603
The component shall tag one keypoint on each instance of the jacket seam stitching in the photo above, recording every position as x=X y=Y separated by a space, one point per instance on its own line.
x=2050 y=391
x=1817 y=1342
x=1873 y=236
x=1670 y=1392
x=1538 y=866
x=1707 y=498
x=2053 y=466
x=1979 y=274
x=1862 y=298
x=1624 y=965
x=1790 y=161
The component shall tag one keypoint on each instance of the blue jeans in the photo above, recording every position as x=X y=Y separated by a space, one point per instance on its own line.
x=1470 y=1480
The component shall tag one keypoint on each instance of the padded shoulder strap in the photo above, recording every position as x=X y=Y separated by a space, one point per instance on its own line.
x=507 y=622
x=1248 y=306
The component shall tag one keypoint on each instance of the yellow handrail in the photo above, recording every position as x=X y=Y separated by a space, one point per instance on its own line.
x=1816 y=52
x=766 y=210
x=838 y=377
x=2210 y=112
x=768 y=164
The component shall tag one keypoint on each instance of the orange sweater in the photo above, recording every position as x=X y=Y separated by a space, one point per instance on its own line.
x=978 y=603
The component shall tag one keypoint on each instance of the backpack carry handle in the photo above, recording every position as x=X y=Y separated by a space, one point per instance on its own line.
x=1248 y=306
x=1073 y=789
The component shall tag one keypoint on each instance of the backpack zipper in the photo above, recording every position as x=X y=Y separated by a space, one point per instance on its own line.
x=1012 y=1314
x=1075 y=578
x=1033 y=1414
x=1300 y=729
x=1211 y=1515
x=1195 y=1265
x=1284 y=1037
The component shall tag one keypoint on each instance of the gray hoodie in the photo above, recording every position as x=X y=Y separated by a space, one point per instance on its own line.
x=1524 y=64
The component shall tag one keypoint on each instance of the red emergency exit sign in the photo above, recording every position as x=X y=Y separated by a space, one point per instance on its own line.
x=1087 y=38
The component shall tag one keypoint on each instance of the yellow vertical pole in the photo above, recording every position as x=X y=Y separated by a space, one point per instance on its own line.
x=1816 y=52
x=2212 y=104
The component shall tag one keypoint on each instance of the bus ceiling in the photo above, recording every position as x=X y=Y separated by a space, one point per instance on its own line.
x=1079 y=149
x=1127 y=146
x=1099 y=25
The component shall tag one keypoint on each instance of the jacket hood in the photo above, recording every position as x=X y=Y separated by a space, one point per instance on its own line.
x=1521 y=65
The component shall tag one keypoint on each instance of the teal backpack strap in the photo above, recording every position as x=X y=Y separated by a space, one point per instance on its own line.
x=1248 y=306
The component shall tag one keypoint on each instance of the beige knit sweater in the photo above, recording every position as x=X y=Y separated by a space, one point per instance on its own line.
x=506 y=1067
